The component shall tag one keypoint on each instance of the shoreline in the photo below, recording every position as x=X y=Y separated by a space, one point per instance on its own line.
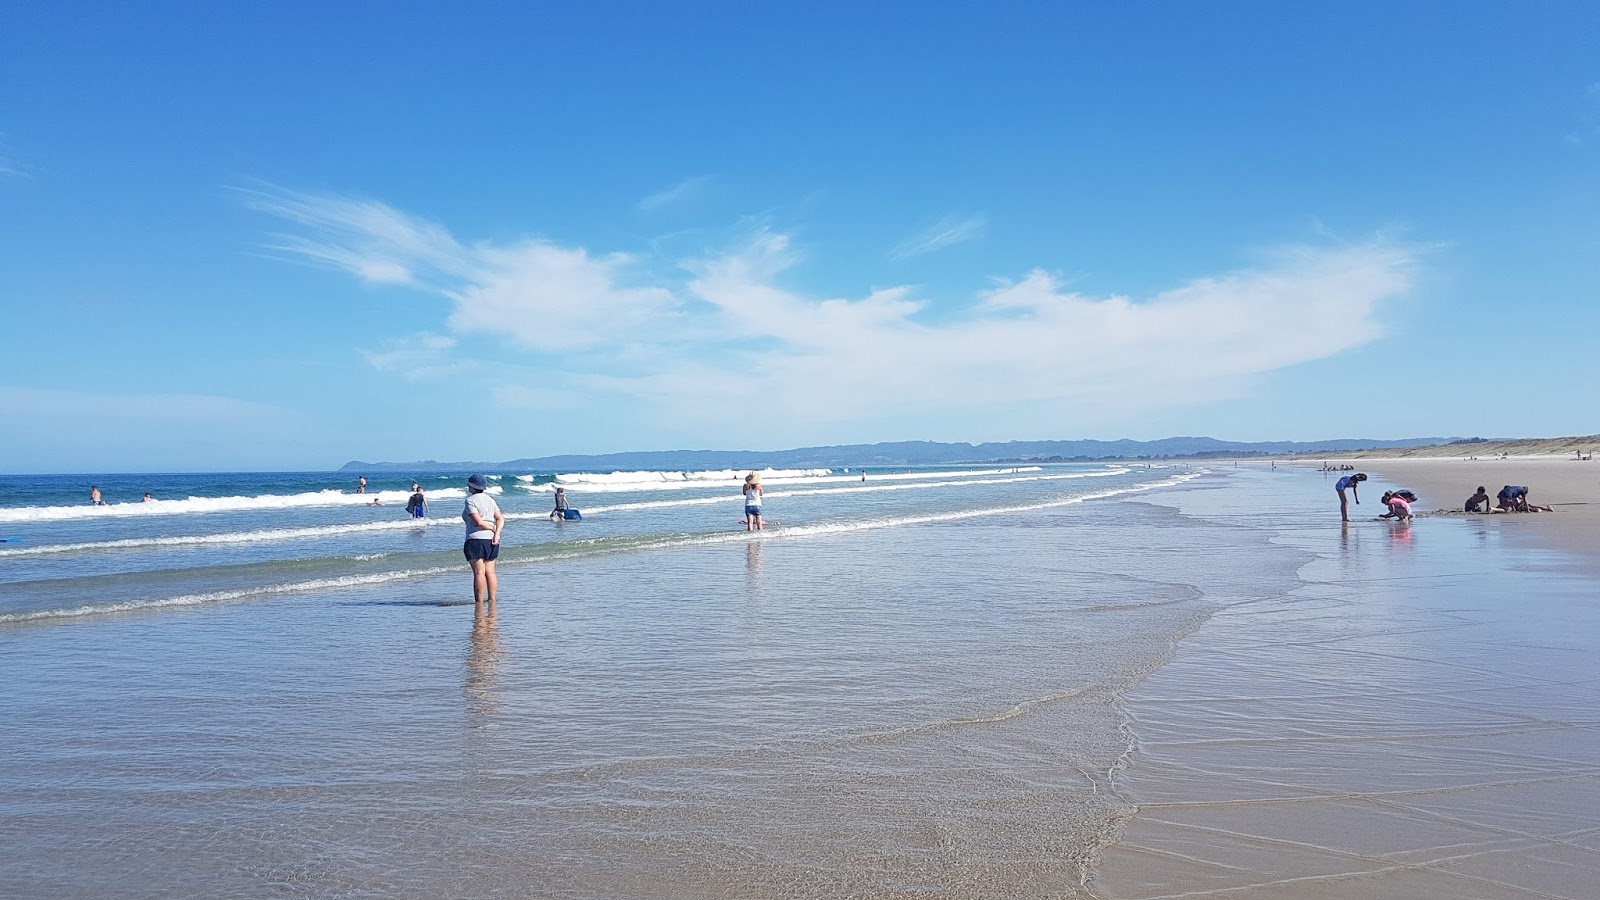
x=1411 y=720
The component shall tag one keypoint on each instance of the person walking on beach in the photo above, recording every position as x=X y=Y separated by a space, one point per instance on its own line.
x=752 y=501
x=1349 y=483
x=418 y=504
x=94 y=496
x=560 y=512
x=484 y=524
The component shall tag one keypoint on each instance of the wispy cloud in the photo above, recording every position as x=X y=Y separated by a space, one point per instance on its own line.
x=947 y=232
x=9 y=166
x=1029 y=351
x=541 y=295
x=679 y=192
x=418 y=358
x=1025 y=353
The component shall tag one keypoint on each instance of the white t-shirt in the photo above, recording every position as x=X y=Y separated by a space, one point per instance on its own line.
x=752 y=495
x=484 y=505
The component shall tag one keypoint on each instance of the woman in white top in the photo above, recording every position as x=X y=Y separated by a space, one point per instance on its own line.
x=752 y=502
x=484 y=524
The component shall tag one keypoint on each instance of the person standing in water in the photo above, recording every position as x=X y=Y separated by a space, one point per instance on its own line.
x=484 y=524
x=361 y=485
x=560 y=512
x=1348 y=482
x=418 y=504
x=752 y=502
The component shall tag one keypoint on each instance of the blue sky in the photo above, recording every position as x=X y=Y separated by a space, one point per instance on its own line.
x=280 y=236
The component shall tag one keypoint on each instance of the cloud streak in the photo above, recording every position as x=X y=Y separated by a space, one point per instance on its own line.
x=678 y=193
x=947 y=232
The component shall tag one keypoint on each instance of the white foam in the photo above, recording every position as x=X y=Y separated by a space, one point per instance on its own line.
x=218 y=596
x=193 y=505
x=233 y=537
x=623 y=482
x=855 y=486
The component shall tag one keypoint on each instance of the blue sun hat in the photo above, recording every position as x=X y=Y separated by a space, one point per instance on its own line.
x=477 y=482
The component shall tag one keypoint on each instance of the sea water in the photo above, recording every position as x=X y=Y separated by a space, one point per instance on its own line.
x=911 y=685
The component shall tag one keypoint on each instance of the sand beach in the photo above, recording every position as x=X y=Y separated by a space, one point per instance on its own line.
x=1416 y=719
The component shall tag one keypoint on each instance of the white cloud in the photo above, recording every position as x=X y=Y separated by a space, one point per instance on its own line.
x=946 y=232
x=537 y=293
x=1028 y=352
x=679 y=192
x=1024 y=356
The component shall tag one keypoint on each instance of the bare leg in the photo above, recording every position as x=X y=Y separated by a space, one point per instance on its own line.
x=757 y=520
x=492 y=581
x=1344 y=507
x=480 y=580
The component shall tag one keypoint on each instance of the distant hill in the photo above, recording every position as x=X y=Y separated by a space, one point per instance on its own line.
x=1485 y=447
x=900 y=453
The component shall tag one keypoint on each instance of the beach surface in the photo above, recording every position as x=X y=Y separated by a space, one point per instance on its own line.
x=1071 y=681
x=1417 y=718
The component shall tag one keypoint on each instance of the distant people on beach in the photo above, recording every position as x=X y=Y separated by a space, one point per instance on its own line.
x=484 y=526
x=752 y=501
x=94 y=496
x=1514 y=498
x=1348 y=483
x=1479 y=502
x=147 y=497
x=417 y=506
x=361 y=485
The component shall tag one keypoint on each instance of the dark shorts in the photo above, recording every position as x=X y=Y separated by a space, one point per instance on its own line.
x=752 y=510
x=481 y=548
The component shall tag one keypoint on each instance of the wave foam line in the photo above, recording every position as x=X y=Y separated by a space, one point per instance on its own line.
x=194 y=505
x=829 y=528
x=808 y=491
x=647 y=481
x=231 y=537
x=221 y=596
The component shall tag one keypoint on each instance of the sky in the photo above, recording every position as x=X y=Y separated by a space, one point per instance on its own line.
x=285 y=236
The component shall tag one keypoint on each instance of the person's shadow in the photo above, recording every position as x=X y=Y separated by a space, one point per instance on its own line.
x=483 y=663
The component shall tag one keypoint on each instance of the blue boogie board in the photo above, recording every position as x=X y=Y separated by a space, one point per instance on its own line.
x=572 y=515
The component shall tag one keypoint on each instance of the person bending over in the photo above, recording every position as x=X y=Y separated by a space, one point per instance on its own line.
x=1348 y=483
x=1478 y=502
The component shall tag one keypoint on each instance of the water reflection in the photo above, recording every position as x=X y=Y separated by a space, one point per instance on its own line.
x=752 y=566
x=1400 y=535
x=483 y=663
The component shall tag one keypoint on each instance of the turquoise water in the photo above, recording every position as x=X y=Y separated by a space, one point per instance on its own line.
x=910 y=687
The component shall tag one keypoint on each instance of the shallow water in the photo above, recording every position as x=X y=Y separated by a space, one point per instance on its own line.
x=919 y=696
x=1417 y=719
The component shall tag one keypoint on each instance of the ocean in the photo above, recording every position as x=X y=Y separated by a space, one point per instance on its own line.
x=260 y=685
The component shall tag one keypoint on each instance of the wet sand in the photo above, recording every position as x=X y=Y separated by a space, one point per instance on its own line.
x=1417 y=719
x=1569 y=486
